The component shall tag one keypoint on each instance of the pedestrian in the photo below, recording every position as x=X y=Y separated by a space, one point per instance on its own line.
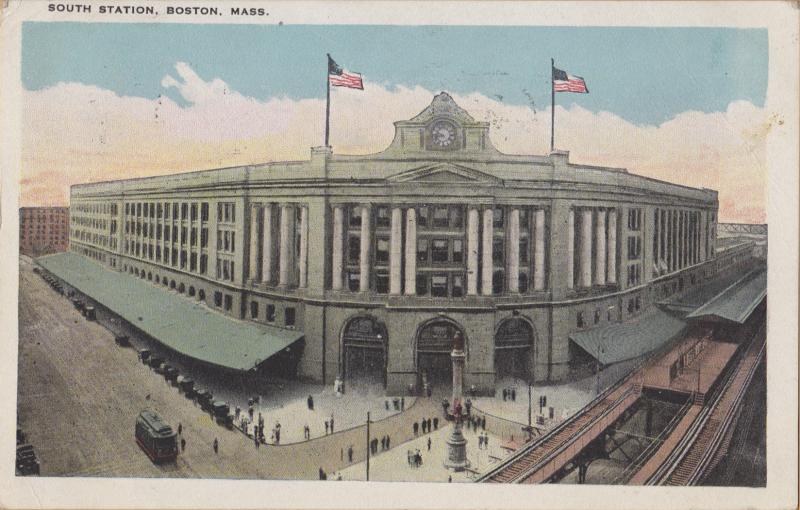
x=387 y=441
x=256 y=441
x=505 y=394
x=341 y=453
x=396 y=403
x=486 y=440
x=350 y=453
x=321 y=474
x=331 y=424
x=327 y=426
x=386 y=403
x=429 y=424
x=310 y=402
x=468 y=405
x=429 y=443
x=416 y=428
x=216 y=445
x=449 y=478
x=408 y=456
x=480 y=442
x=383 y=443
x=424 y=426
x=445 y=405
x=180 y=428
x=278 y=436
x=183 y=444
x=483 y=423
x=339 y=477
x=513 y=395
x=435 y=423
x=402 y=403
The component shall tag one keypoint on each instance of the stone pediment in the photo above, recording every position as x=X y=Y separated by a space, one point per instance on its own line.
x=445 y=173
x=443 y=104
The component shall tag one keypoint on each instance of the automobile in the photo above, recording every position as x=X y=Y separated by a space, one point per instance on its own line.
x=90 y=313
x=186 y=385
x=122 y=340
x=222 y=413
x=27 y=464
x=144 y=354
x=162 y=368
x=204 y=398
x=171 y=374
x=155 y=361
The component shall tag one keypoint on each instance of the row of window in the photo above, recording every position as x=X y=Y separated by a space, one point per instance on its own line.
x=634 y=304
x=167 y=210
x=172 y=233
x=185 y=260
x=95 y=208
x=289 y=313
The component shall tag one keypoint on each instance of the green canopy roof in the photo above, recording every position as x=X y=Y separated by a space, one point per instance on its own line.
x=177 y=322
x=737 y=302
x=617 y=342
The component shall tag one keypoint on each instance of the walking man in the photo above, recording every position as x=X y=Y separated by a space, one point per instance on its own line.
x=387 y=441
x=216 y=445
x=429 y=443
x=327 y=426
x=402 y=403
x=416 y=428
x=424 y=426
x=429 y=424
x=180 y=428
x=331 y=424
x=435 y=423
x=350 y=453
x=183 y=444
x=310 y=402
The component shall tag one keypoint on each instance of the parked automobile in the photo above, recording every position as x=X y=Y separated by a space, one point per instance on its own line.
x=27 y=464
x=144 y=354
x=222 y=413
x=155 y=361
x=122 y=340
x=204 y=398
x=90 y=313
x=162 y=368
x=186 y=385
x=171 y=374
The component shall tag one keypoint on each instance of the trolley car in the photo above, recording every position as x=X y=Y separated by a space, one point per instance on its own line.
x=156 y=437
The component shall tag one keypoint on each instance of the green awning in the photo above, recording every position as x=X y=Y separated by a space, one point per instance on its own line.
x=617 y=342
x=178 y=322
x=736 y=303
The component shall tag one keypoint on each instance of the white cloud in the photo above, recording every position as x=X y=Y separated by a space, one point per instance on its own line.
x=78 y=133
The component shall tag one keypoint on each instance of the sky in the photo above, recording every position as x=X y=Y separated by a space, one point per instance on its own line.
x=105 y=101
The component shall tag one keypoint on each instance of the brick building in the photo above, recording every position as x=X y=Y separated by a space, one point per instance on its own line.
x=43 y=230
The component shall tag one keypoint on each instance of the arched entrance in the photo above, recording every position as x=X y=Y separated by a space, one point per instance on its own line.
x=512 y=348
x=364 y=351
x=433 y=347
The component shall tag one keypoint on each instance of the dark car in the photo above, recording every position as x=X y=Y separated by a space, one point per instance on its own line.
x=186 y=385
x=122 y=340
x=162 y=368
x=144 y=354
x=155 y=361
x=171 y=374
x=204 y=398
x=222 y=413
x=90 y=313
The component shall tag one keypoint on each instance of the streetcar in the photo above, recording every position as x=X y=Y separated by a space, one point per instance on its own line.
x=156 y=437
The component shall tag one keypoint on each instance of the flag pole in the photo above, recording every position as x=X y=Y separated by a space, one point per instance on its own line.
x=328 y=99
x=552 y=106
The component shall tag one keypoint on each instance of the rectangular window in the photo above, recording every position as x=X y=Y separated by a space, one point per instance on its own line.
x=217 y=298
x=458 y=250
x=175 y=210
x=422 y=217
x=382 y=283
x=166 y=233
x=204 y=211
x=456 y=217
x=523 y=283
x=382 y=250
x=289 y=316
x=254 y=309
x=353 y=249
x=458 y=285
x=353 y=281
x=498 y=282
x=498 y=220
x=203 y=237
x=355 y=217
x=194 y=212
x=270 y=313
x=193 y=262
x=440 y=218
x=184 y=206
x=422 y=250
x=439 y=285
x=422 y=284
x=203 y=263
x=579 y=320
x=382 y=217
x=228 y=302
x=439 y=250
x=497 y=252
x=183 y=235
x=524 y=250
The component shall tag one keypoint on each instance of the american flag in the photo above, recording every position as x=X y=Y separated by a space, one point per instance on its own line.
x=339 y=77
x=563 y=82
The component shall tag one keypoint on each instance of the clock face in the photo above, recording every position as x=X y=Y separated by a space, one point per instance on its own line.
x=443 y=134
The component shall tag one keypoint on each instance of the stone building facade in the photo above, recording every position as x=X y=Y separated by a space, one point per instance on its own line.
x=43 y=230
x=379 y=258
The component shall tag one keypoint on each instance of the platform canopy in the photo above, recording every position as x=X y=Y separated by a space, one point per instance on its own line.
x=617 y=342
x=178 y=322
x=737 y=302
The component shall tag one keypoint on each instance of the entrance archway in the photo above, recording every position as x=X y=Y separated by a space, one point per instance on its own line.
x=364 y=341
x=433 y=347
x=512 y=348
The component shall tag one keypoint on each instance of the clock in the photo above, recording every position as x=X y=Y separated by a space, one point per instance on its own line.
x=443 y=135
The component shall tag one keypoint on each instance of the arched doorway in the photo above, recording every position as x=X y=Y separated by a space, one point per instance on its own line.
x=364 y=342
x=512 y=348
x=433 y=347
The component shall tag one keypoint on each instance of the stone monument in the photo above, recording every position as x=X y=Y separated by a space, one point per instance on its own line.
x=456 y=442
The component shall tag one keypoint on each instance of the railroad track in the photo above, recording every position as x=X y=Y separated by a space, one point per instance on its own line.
x=706 y=442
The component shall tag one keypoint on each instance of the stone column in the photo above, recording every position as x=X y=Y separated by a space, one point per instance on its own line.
x=612 y=246
x=538 y=250
x=396 y=252
x=600 y=240
x=570 y=250
x=303 y=283
x=586 y=248
x=411 y=252
x=337 y=248
x=513 y=251
x=472 y=252
x=286 y=245
x=366 y=243
x=487 y=266
x=253 y=269
x=267 y=247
